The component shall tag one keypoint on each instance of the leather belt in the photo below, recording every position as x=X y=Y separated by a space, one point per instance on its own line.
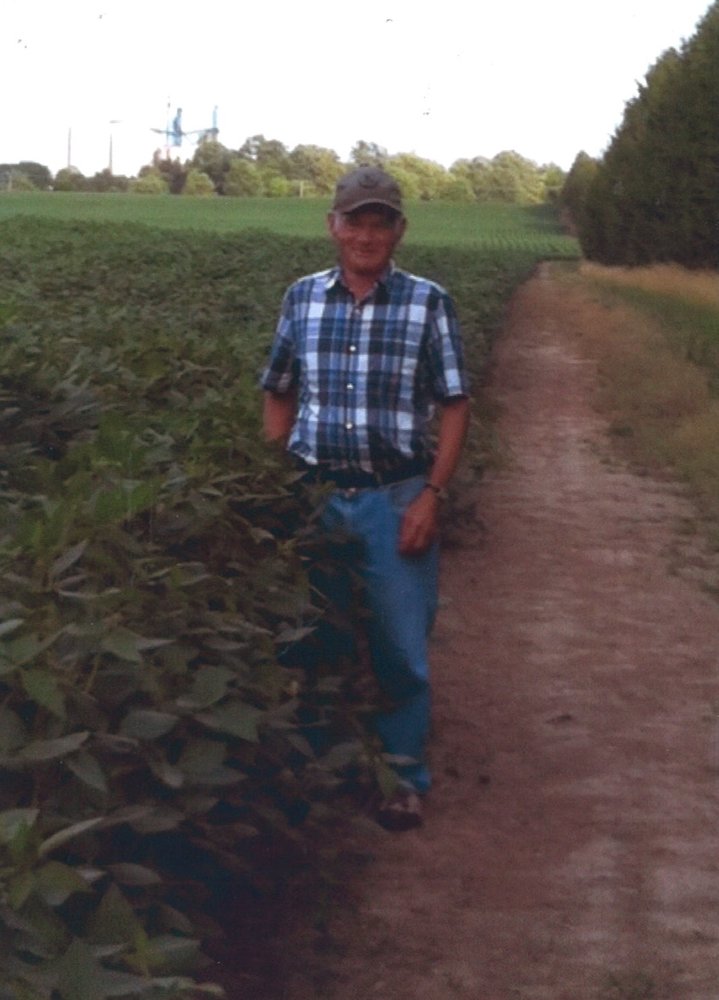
x=358 y=479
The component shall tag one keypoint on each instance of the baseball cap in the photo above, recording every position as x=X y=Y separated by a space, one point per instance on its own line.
x=367 y=186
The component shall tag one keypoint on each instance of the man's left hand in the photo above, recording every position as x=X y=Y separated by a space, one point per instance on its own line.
x=419 y=524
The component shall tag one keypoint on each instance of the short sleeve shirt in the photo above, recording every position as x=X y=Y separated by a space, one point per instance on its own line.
x=367 y=374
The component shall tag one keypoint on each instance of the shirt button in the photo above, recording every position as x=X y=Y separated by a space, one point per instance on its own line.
x=350 y=386
x=349 y=425
x=353 y=348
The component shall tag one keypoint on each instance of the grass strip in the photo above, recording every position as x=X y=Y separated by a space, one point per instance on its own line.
x=656 y=345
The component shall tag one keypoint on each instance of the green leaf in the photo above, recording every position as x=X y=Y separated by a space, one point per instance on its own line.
x=202 y=756
x=12 y=730
x=198 y=990
x=173 y=920
x=14 y=821
x=203 y=761
x=69 y=833
x=123 y=644
x=159 y=820
x=209 y=686
x=288 y=635
x=146 y=724
x=10 y=625
x=56 y=882
x=67 y=559
x=79 y=972
x=236 y=719
x=87 y=768
x=6 y=666
x=169 y=953
x=46 y=926
x=114 y=921
x=82 y=977
x=20 y=888
x=341 y=755
x=25 y=648
x=43 y=688
x=129 y=874
x=146 y=645
x=167 y=773
x=301 y=744
x=53 y=749
x=124 y=502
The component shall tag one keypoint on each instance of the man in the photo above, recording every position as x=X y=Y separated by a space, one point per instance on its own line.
x=362 y=355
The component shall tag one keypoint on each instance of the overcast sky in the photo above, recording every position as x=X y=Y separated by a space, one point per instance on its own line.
x=444 y=79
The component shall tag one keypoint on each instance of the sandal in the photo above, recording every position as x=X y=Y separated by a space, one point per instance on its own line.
x=402 y=810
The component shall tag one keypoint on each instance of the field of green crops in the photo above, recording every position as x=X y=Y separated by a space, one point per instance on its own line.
x=179 y=730
x=431 y=223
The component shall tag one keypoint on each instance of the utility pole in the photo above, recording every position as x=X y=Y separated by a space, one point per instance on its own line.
x=113 y=121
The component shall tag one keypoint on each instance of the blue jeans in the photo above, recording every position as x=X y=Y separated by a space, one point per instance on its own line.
x=401 y=593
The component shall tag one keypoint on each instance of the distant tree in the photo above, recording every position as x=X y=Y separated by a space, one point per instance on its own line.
x=457 y=189
x=575 y=190
x=407 y=180
x=316 y=165
x=474 y=172
x=38 y=174
x=243 y=179
x=274 y=185
x=105 y=181
x=248 y=149
x=26 y=173
x=270 y=154
x=655 y=194
x=368 y=154
x=174 y=172
x=553 y=178
x=150 y=182
x=69 y=179
x=510 y=178
x=514 y=179
x=429 y=177
x=198 y=183
x=18 y=181
x=214 y=160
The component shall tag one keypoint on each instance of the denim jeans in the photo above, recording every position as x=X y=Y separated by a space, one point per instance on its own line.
x=401 y=593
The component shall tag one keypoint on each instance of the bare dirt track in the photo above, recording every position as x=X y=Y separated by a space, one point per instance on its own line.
x=570 y=849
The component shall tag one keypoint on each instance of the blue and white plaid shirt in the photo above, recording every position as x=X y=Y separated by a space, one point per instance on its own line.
x=368 y=374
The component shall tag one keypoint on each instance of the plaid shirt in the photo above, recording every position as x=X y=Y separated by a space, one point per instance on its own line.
x=368 y=374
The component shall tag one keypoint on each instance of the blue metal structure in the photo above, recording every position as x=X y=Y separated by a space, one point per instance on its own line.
x=174 y=133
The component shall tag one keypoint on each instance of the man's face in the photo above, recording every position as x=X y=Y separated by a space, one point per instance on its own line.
x=366 y=239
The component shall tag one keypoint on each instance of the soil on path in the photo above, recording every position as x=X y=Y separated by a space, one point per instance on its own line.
x=570 y=845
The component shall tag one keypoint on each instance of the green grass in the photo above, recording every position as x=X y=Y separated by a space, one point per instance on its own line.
x=533 y=228
x=692 y=328
x=689 y=321
x=657 y=355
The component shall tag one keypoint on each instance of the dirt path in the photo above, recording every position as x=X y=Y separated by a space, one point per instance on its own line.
x=571 y=843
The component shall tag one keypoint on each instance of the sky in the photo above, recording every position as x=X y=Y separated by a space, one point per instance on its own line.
x=86 y=81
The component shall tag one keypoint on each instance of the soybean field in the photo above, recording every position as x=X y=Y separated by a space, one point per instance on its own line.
x=177 y=737
x=532 y=227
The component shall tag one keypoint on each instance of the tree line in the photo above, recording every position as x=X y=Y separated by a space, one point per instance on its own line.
x=654 y=195
x=267 y=168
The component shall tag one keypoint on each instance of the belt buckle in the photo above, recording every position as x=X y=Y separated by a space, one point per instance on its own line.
x=350 y=491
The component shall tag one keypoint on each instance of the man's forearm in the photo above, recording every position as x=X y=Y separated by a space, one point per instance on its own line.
x=278 y=415
x=453 y=426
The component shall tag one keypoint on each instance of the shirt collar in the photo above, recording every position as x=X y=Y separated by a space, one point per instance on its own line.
x=334 y=277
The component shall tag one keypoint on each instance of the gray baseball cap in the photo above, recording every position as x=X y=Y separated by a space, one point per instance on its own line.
x=367 y=186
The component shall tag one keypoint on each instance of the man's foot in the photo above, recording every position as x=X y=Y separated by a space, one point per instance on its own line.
x=402 y=810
